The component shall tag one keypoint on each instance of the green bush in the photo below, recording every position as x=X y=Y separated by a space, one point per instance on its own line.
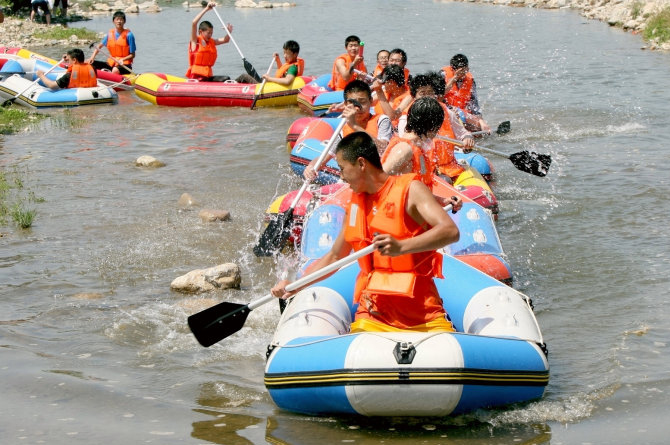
x=658 y=27
x=57 y=33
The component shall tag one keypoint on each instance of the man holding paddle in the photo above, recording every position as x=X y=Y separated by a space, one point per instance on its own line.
x=404 y=222
x=202 y=48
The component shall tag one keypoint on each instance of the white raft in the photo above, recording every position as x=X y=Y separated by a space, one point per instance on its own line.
x=497 y=356
x=17 y=76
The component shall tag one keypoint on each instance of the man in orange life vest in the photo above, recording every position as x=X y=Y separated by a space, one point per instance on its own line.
x=461 y=92
x=356 y=110
x=202 y=49
x=392 y=94
x=398 y=57
x=120 y=43
x=382 y=62
x=400 y=216
x=293 y=66
x=432 y=85
x=79 y=73
x=345 y=64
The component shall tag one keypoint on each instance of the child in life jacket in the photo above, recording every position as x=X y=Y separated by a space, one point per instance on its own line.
x=202 y=48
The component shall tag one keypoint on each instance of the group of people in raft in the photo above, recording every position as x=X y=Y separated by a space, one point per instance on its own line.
x=388 y=159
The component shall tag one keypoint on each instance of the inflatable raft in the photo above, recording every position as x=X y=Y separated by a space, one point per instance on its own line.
x=118 y=81
x=165 y=89
x=479 y=244
x=315 y=98
x=305 y=139
x=17 y=76
x=315 y=366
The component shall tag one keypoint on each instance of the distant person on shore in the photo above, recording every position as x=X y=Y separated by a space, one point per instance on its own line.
x=292 y=67
x=63 y=7
x=461 y=92
x=40 y=4
x=80 y=74
x=344 y=64
x=120 y=43
x=202 y=48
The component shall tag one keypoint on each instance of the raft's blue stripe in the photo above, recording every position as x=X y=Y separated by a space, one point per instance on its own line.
x=476 y=161
x=313 y=358
x=497 y=354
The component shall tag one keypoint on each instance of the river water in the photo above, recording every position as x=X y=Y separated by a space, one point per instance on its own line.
x=95 y=346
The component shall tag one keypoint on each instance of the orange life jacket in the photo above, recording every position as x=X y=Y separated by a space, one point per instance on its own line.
x=281 y=71
x=118 y=48
x=337 y=83
x=371 y=128
x=444 y=151
x=423 y=164
x=82 y=75
x=458 y=97
x=202 y=59
x=378 y=70
x=398 y=291
x=395 y=103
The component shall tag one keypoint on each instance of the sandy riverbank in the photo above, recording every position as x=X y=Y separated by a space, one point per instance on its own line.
x=630 y=15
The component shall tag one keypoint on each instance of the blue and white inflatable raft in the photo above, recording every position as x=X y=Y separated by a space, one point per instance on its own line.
x=497 y=356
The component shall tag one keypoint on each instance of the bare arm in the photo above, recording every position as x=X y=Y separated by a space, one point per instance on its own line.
x=399 y=160
x=424 y=209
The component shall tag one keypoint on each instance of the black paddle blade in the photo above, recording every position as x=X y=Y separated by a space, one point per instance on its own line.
x=218 y=322
x=504 y=127
x=531 y=162
x=249 y=68
x=275 y=234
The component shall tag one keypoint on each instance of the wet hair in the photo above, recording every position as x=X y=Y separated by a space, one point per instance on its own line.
x=350 y=39
x=394 y=73
x=205 y=25
x=421 y=80
x=357 y=86
x=292 y=45
x=359 y=145
x=440 y=84
x=425 y=115
x=119 y=14
x=458 y=61
x=76 y=54
x=402 y=53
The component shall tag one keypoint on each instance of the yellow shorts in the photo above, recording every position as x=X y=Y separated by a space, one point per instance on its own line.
x=439 y=324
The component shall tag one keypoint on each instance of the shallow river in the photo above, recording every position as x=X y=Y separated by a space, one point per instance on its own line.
x=95 y=347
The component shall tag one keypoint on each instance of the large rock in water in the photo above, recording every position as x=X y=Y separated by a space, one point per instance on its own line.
x=223 y=276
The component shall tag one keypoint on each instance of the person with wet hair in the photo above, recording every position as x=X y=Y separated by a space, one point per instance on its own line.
x=413 y=152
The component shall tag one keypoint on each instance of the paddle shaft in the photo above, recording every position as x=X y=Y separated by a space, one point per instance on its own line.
x=11 y=101
x=478 y=147
x=228 y=32
x=260 y=90
x=319 y=161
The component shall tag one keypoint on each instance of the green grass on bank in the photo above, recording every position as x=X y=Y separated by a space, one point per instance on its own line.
x=13 y=119
x=658 y=27
x=57 y=33
x=14 y=197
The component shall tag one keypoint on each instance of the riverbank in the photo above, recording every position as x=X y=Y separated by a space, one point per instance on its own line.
x=629 y=15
